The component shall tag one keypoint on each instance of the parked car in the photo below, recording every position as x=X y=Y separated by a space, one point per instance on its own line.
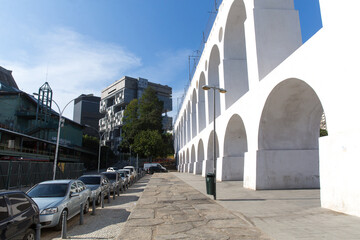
x=156 y=168
x=98 y=184
x=158 y=165
x=58 y=196
x=112 y=169
x=130 y=176
x=133 y=171
x=116 y=181
x=124 y=174
x=19 y=215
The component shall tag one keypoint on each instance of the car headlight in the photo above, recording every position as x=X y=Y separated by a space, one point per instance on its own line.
x=49 y=211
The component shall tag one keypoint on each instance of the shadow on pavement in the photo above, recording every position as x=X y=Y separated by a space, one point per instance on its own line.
x=128 y=199
x=131 y=190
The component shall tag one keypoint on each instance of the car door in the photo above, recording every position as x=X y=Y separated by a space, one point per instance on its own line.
x=82 y=192
x=21 y=213
x=6 y=228
x=74 y=200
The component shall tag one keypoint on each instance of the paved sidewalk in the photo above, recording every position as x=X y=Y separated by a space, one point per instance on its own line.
x=281 y=214
x=171 y=209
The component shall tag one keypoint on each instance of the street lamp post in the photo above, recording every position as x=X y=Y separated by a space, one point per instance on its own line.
x=221 y=90
x=58 y=136
x=100 y=137
x=58 y=133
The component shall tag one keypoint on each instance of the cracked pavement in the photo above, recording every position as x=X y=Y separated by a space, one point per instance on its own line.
x=171 y=209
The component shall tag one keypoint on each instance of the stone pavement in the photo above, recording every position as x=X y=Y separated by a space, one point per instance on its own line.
x=171 y=209
x=281 y=214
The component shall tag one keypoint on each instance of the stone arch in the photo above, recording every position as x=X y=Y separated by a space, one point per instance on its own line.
x=208 y=165
x=201 y=103
x=194 y=114
x=192 y=159
x=200 y=158
x=235 y=62
x=235 y=146
x=184 y=128
x=214 y=80
x=180 y=163
x=188 y=123
x=288 y=140
x=187 y=161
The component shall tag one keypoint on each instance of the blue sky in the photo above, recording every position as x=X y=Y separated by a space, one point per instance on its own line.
x=82 y=46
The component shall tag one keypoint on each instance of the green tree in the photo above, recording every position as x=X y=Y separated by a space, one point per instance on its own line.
x=131 y=124
x=150 y=111
x=142 y=127
x=168 y=144
x=148 y=143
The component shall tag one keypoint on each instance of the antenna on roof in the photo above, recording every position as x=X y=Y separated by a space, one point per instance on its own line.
x=47 y=70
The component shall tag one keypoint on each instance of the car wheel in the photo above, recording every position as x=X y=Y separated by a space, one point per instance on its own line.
x=58 y=227
x=87 y=206
x=29 y=235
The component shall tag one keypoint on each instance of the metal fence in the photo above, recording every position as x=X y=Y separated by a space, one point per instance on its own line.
x=19 y=174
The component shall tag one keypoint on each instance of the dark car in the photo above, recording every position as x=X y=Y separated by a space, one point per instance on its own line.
x=19 y=215
x=98 y=184
x=116 y=182
x=157 y=168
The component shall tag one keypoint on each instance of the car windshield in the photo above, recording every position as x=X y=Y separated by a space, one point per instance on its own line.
x=122 y=174
x=110 y=176
x=48 y=190
x=91 y=180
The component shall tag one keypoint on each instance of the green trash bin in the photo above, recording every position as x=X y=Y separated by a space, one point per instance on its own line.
x=210 y=183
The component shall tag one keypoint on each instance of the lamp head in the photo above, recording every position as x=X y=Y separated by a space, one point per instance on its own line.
x=221 y=90
x=206 y=87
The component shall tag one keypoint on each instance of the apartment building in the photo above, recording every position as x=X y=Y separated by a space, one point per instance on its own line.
x=117 y=96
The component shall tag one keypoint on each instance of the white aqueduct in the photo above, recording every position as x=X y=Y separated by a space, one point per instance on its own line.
x=277 y=90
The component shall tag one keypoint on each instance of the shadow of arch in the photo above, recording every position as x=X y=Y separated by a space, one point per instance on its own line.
x=235 y=63
x=201 y=103
x=235 y=146
x=288 y=155
x=213 y=80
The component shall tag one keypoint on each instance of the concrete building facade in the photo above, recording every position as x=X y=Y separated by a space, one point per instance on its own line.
x=86 y=112
x=117 y=96
x=278 y=91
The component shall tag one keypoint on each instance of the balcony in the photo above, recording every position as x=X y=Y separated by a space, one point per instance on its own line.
x=102 y=106
x=118 y=118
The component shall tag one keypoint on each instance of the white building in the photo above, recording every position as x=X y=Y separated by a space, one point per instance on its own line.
x=267 y=124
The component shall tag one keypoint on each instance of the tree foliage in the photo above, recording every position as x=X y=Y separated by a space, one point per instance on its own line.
x=148 y=143
x=150 y=110
x=130 y=123
x=142 y=127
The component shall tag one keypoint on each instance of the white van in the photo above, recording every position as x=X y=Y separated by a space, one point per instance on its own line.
x=132 y=170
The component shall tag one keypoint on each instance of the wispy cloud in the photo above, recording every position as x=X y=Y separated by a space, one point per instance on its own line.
x=72 y=64
x=75 y=64
x=167 y=68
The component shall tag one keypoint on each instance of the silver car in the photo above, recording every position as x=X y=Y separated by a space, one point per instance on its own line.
x=58 y=196
x=98 y=184
x=125 y=177
x=116 y=182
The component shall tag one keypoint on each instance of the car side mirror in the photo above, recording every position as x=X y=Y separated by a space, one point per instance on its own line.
x=74 y=194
